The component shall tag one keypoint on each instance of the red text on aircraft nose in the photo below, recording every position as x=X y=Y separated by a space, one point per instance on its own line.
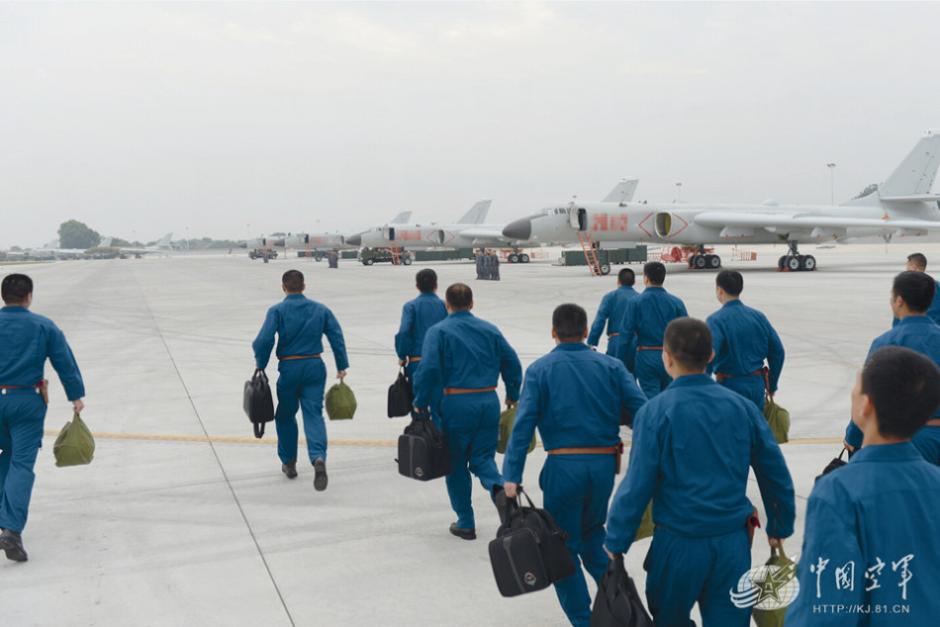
x=606 y=222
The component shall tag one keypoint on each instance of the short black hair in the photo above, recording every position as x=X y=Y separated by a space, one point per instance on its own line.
x=689 y=341
x=626 y=277
x=918 y=259
x=293 y=281
x=904 y=387
x=569 y=321
x=16 y=288
x=459 y=296
x=655 y=272
x=730 y=281
x=916 y=289
x=426 y=280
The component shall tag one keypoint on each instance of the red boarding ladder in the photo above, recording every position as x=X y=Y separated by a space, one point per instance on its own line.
x=396 y=256
x=590 y=253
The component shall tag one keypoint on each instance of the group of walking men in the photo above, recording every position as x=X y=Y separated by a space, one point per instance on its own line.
x=690 y=390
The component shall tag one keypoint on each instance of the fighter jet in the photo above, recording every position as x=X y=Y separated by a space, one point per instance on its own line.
x=468 y=232
x=901 y=206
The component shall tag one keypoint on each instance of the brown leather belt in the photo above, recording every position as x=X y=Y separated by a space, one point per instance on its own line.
x=295 y=357
x=613 y=334
x=721 y=376
x=449 y=391
x=413 y=358
x=616 y=450
x=40 y=388
x=649 y=348
x=933 y=422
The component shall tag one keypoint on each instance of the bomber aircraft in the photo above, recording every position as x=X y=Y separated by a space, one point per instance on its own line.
x=902 y=206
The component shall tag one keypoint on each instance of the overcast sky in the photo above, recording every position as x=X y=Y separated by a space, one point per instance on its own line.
x=146 y=118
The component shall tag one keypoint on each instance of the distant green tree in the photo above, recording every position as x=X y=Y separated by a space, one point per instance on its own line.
x=75 y=234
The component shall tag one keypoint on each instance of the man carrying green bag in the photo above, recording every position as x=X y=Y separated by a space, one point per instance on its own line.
x=26 y=341
x=298 y=325
x=75 y=445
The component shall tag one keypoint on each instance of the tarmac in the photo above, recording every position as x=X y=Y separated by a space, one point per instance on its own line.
x=184 y=518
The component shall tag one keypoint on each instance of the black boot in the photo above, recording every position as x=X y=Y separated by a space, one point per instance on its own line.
x=466 y=534
x=290 y=469
x=320 y=479
x=12 y=544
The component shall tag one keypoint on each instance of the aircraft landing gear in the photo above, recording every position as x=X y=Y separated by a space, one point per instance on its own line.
x=795 y=262
x=517 y=257
x=702 y=260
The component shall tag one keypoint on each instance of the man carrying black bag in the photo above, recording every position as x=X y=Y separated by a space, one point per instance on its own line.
x=417 y=316
x=577 y=398
x=299 y=324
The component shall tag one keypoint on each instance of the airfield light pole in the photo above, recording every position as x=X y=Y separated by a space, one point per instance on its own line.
x=832 y=183
x=679 y=191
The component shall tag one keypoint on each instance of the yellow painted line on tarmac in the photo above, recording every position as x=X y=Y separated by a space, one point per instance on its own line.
x=233 y=439
x=219 y=439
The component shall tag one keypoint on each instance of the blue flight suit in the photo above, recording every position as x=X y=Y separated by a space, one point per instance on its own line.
x=609 y=314
x=465 y=352
x=692 y=446
x=880 y=508
x=644 y=321
x=26 y=340
x=576 y=398
x=417 y=316
x=742 y=339
x=300 y=324
x=920 y=334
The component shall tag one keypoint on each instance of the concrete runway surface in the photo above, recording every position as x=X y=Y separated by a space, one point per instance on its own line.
x=184 y=519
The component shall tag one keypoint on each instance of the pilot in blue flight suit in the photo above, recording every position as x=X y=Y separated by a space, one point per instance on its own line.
x=918 y=263
x=462 y=360
x=300 y=324
x=26 y=341
x=577 y=398
x=911 y=296
x=743 y=339
x=417 y=316
x=644 y=322
x=692 y=449
x=872 y=525
x=610 y=314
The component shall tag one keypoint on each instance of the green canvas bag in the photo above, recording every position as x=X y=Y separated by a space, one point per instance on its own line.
x=340 y=402
x=75 y=445
x=779 y=420
x=646 y=527
x=785 y=593
x=506 y=420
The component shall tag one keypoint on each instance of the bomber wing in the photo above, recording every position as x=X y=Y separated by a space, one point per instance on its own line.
x=790 y=220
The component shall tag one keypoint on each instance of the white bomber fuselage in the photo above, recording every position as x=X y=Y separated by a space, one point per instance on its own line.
x=417 y=236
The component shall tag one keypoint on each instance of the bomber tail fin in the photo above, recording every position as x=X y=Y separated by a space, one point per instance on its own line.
x=623 y=191
x=477 y=213
x=916 y=174
x=401 y=218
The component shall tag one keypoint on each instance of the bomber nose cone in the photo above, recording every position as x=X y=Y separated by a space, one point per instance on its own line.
x=520 y=229
x=354 y=240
